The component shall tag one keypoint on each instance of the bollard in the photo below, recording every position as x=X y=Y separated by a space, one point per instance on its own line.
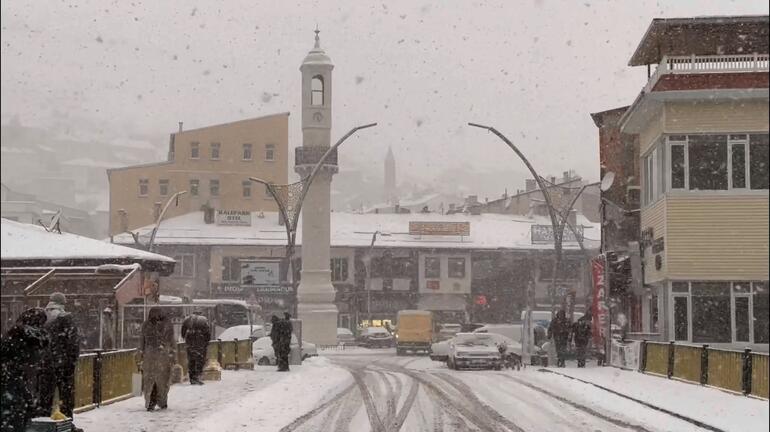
x=704 y=365
x=747 y=364
x=97 y=379
x=670 y=371
x=237 y=365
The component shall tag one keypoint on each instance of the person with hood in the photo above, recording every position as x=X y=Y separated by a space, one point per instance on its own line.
x=558 y=330
x=196 y=333
x=21 y=353
x=276 y=335
x=286 y=331
x=157 y=355
x=62 y=357
x=581 y=335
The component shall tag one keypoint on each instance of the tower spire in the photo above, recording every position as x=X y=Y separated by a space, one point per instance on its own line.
x=317 y=39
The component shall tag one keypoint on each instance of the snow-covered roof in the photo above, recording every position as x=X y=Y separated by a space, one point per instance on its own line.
x=20 y=241
x=88 y=162
x=487 y=231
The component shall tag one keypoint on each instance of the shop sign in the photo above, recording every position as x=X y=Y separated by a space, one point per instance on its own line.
x=599 y=303
x=233 y=218
x=481 y=300
x=440 y=228
x=544 y=234
x=659 y=245
x=255 y=273
x=433 y=285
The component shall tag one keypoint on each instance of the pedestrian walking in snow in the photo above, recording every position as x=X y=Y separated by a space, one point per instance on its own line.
x=284 y=342
x=157 y=354
x=21 y=353
x=196 y=333
x=59 y=373
x=559 y=330
x=581 y=335
x=275 y=338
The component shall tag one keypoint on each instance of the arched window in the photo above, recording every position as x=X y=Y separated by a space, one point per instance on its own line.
x=317 y=91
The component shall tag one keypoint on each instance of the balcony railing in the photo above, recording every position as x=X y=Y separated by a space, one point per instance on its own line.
x=311 y=155
x=708 y=64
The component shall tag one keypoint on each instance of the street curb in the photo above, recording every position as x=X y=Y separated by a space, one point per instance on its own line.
x=639 y=401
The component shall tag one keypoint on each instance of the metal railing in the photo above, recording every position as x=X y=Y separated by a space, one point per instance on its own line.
x=104 y=377
x=708 y=64
x=739 y=371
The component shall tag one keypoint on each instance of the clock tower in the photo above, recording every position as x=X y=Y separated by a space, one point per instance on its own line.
x=315 y=294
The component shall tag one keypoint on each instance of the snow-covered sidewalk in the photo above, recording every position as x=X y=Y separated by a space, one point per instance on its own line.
x=710 y=406
x=263 y=400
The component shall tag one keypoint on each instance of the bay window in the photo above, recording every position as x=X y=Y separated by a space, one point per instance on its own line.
x=710 y=162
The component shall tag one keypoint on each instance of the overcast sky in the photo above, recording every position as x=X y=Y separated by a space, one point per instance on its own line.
x=422 y=69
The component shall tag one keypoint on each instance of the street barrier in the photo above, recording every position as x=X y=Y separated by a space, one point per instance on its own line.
x=115 y=375
x=656 y=358
x=687 y=363
x=738 y=371
x=84 y=381
x=759 y=375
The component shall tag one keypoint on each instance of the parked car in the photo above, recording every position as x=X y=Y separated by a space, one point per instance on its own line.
x=439 y=351
x=242 y=332
x=262 y=350
x=376 y=337
x=345 y=337
x=511 y=331
x=474 y=351
x=448 y=331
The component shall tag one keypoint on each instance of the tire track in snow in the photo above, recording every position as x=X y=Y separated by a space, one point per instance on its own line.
x=299 y=421
x=581 y=407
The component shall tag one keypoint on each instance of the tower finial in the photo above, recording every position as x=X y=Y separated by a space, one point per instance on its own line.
x=317 y=39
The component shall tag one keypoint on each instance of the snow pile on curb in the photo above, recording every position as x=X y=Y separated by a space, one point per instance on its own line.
x=276 y=405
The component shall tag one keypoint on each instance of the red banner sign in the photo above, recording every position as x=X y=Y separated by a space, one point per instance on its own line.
x=599 y=304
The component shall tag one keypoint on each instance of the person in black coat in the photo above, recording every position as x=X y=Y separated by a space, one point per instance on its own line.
x=581 y=335
x=276 y=336
x=196 y=333
x=21 y=354
x=286 y=331
x=559 y=330
x=63 y=356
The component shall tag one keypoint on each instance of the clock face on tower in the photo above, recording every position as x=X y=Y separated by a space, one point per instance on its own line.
x=317 y=116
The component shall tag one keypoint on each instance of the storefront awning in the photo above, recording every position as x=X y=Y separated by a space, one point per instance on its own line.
x=442 y=302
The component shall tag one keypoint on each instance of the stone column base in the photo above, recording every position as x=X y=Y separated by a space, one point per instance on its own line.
x=319 y=322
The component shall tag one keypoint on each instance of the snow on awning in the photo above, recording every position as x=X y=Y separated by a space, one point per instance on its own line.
x=442 y=302
x=30 y=243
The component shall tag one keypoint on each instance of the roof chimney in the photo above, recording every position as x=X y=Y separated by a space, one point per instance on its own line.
x=180 y=126
x=156 y=210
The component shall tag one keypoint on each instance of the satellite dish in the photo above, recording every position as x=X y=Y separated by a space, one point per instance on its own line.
x=607 y=181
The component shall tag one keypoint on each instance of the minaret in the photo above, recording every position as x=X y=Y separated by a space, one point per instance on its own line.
x=390 y=178
x=315 y=294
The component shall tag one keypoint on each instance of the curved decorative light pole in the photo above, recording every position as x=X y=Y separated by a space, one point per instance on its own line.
x=289 y=199
x=174 y=197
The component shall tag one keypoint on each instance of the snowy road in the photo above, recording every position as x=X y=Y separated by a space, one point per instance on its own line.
x=406 y=394
x=363 y=390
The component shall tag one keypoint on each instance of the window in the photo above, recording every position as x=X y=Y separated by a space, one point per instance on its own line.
x=185 y=266
x=270 y=152
x=317 y=91
x=231 y=269
x=194 y=187
x=711 y=312
x=195 y=150
x=678 y=173
x=456 y=268
x=738 y=167
x=246 y=188
x=761 y=309
x=267 y=193
x=707 y=157
x=339 y=268
x=144 y=187
x=214 y=187
x=758 y=161
x=654 y=178
x=215 y=147
x=432 y=267
x=681 y=315
x=742 y=319
x=569 y=269
x=247 y=152
x=163 y=187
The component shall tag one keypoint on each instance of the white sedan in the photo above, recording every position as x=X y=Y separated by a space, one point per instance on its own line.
x=263 y=353
x=439 y=351
x=474 y=351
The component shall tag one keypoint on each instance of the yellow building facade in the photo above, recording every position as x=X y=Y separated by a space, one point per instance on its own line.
x=212 y=164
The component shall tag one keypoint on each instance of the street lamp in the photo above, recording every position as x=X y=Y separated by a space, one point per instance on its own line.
x=368 y=264
x=175 y=198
